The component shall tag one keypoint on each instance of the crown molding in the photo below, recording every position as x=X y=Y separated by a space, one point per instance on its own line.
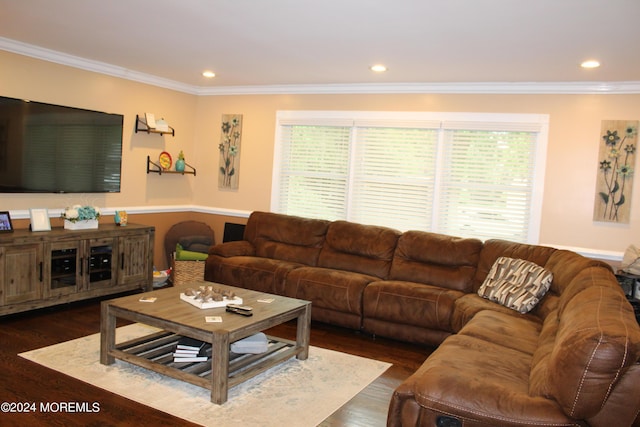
x=566 y=88
x=562 y=88
x=91 y=65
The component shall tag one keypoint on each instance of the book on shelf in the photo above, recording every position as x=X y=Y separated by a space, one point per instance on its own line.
x=190 y=359
x=190 y=350
x=186 y=343
x=178 y=352
x=151 y=120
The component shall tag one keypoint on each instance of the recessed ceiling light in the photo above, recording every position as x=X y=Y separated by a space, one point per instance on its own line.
x=592 y=63
x=208 y=74
x=378 y=68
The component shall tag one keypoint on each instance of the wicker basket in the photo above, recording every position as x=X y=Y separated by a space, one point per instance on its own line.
x=184 y=272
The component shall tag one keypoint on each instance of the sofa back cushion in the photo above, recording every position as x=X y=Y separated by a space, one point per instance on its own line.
x=366 y=249
x=286 y=237
x=566 y=265
x=585 y=279
x=436 y=259
x=495 y=248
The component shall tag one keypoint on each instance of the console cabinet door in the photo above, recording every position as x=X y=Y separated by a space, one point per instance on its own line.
x=134 y=263
x=63 y=268
x=100 y=267
x=21 y=273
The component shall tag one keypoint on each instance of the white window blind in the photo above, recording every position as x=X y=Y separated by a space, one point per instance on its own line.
x=314 y=171
x=393 y=176
x=468 y=175
x=486 y=185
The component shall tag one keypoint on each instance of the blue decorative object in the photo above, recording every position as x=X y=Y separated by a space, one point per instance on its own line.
x=180 y=162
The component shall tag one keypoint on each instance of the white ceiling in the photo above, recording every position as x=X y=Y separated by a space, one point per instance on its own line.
x=333 y=42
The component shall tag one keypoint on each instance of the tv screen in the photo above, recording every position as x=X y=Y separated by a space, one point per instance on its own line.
x=48 y=148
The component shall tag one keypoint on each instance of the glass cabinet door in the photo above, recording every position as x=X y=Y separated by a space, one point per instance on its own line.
x=81 y=265
x=101 y=266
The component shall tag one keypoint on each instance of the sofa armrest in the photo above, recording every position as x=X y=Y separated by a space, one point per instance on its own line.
x=229 y=249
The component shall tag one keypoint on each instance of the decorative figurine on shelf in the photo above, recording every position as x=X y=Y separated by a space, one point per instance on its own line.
x=120 y=218
x=180 y=162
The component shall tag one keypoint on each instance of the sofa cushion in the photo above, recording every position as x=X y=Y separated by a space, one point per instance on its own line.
x=329 y=289
x=584 y=279
x=410 y=303
x=539 y=381
x=515 y=283
x=250 y=272
x=285 y=237
x=467 y=306
x=365 y=249
x=436 y=259
x=518 y=333
x=566 y=265
x=231 y=249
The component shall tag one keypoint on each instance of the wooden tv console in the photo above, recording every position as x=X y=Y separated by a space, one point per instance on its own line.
x=45 y=268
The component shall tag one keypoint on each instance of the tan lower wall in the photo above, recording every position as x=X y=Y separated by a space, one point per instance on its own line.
x=163 y=221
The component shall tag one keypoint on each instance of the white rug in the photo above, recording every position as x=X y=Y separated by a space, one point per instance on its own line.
x=303 y=393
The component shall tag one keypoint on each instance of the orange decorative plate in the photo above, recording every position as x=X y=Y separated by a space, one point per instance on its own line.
x=165 y=160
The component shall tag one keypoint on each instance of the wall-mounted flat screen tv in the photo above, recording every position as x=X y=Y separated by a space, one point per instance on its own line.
x=47 y=148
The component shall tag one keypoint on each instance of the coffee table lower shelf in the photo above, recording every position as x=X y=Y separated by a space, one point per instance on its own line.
x=155 y=352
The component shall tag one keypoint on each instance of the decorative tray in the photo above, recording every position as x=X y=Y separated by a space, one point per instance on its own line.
x=210 y=304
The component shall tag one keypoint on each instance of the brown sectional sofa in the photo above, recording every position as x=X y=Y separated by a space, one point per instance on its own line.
x=574 y=360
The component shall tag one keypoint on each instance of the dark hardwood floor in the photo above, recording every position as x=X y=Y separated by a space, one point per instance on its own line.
x=24 y=381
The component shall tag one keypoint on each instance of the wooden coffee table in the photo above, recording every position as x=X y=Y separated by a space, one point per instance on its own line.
x=176 y=318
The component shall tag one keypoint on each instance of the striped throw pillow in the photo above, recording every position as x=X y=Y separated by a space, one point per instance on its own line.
x=516 y=283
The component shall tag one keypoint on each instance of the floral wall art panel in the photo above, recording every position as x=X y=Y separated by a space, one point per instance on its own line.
x=230 y=137
x=617 y=158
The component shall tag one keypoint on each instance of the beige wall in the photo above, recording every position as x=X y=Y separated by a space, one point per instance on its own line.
x=23 y=77
x=571 y=167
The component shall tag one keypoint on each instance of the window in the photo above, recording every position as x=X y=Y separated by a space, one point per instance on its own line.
x=462 y=174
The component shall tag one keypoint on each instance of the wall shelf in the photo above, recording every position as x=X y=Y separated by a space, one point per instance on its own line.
x=141 y=126
x=153 y=167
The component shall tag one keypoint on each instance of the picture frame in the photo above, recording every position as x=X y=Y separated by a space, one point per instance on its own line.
x=5 y=222
x=40 y=219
